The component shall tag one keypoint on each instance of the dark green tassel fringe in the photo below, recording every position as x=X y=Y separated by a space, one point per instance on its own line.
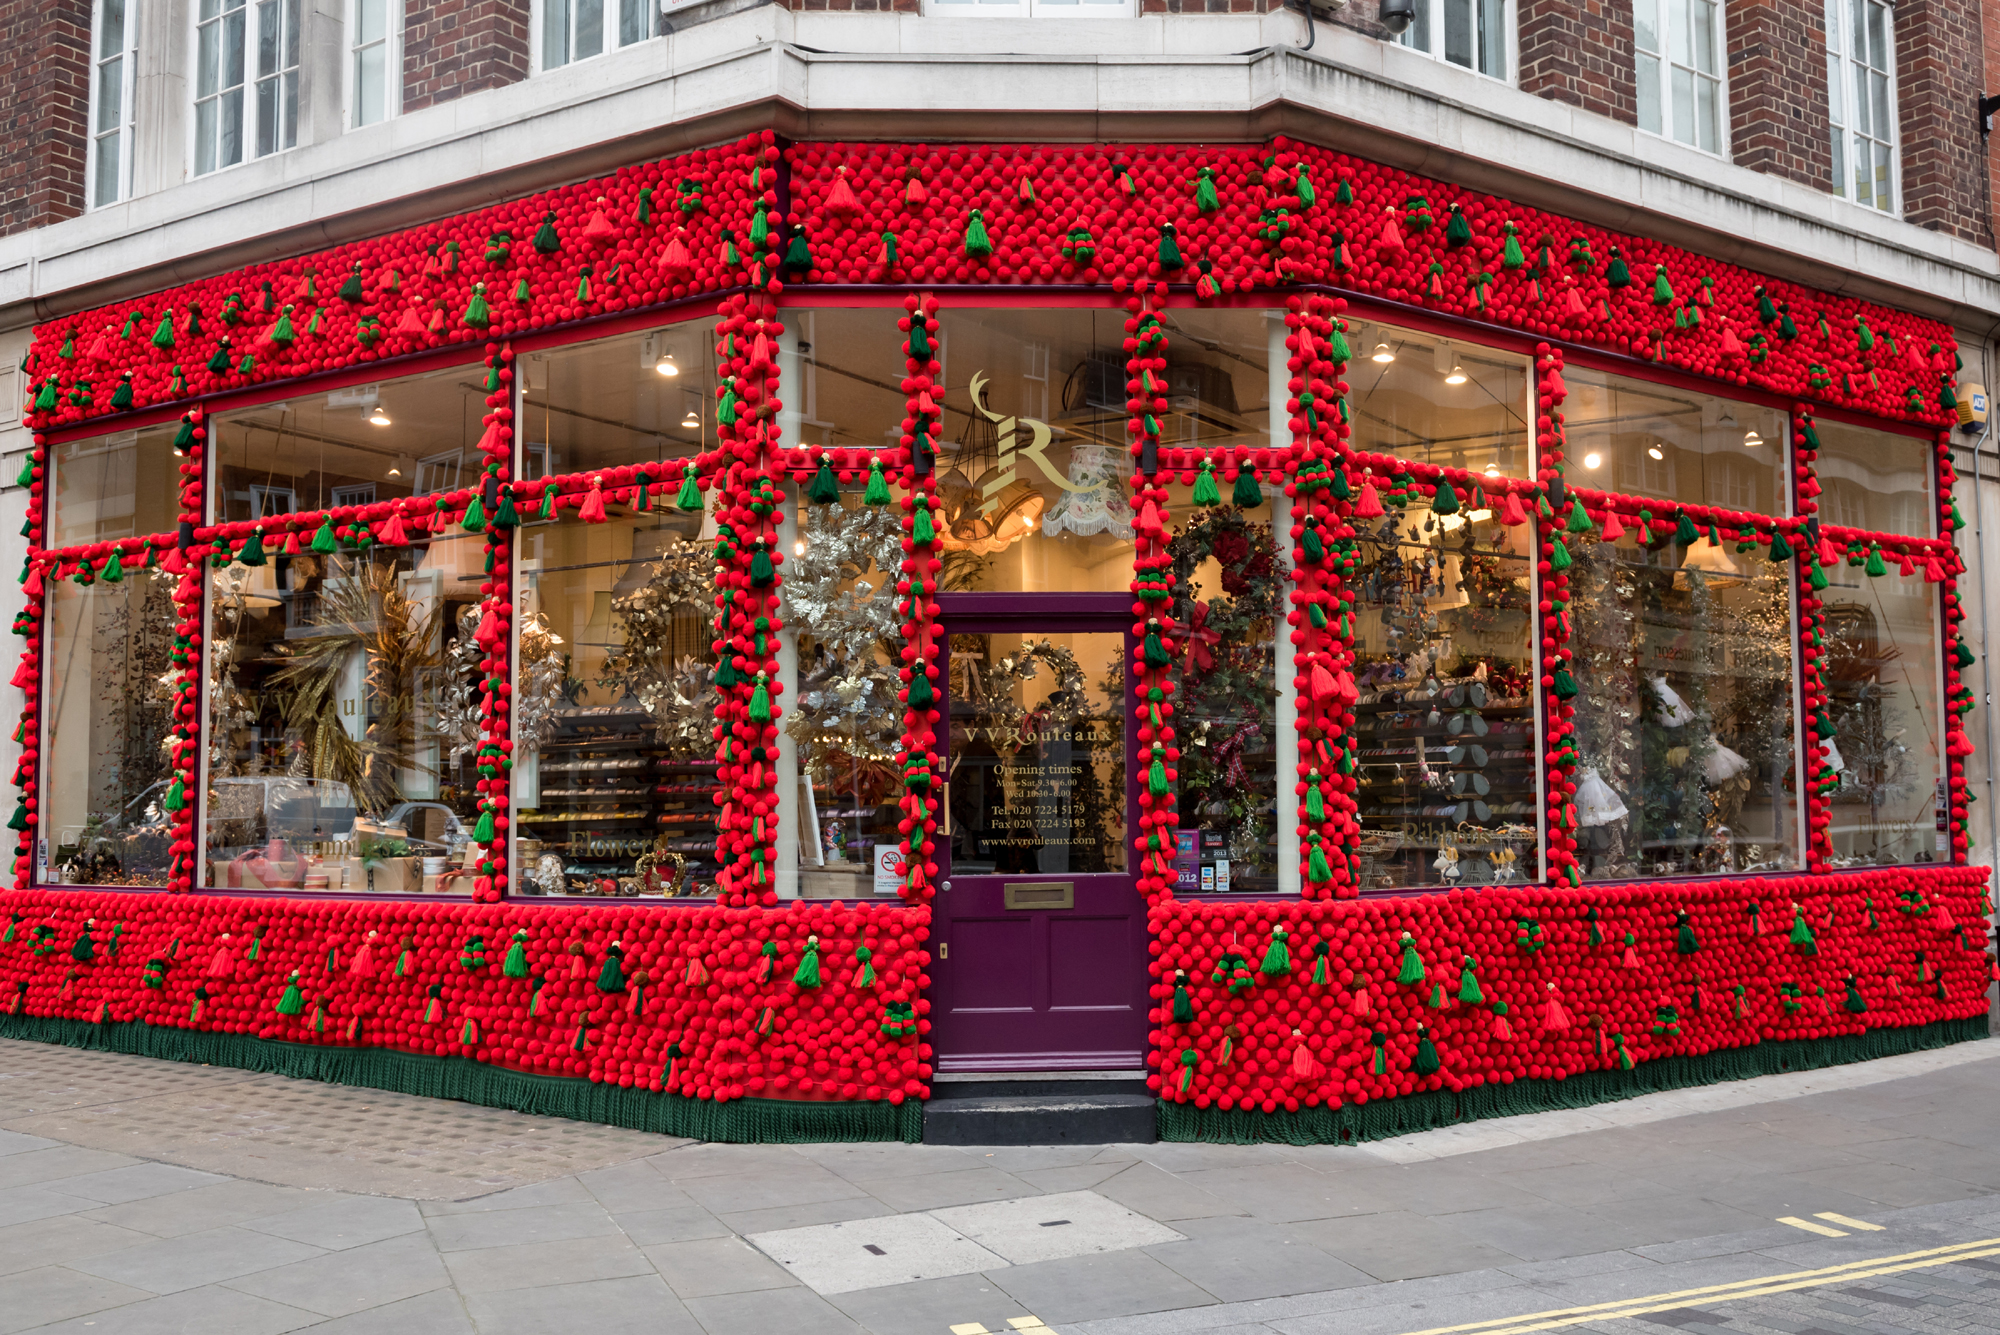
x=740 y=1121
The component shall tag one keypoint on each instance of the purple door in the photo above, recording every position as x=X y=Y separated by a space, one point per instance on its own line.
x=1040 y=932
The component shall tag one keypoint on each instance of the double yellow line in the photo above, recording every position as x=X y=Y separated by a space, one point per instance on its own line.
x=1720 y=1293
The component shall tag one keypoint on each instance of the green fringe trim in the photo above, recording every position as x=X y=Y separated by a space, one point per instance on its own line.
x=740 y=1121
x=1378 y=1119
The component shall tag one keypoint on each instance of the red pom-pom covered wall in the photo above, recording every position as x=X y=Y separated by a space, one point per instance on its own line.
x=1325 y=1003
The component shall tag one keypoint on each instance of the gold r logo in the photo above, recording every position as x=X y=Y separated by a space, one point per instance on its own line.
x=1039 y=438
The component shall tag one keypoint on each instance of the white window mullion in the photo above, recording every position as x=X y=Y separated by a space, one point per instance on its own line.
x=113 y=30
x=1471 y=34
x=1861 y=101
x=246 y=86
x=573 y=30
x=1677 y=64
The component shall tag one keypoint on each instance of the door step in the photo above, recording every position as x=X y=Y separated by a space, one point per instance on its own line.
x=1054 y=1111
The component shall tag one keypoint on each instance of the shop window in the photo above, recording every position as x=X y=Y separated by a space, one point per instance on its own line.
x=840 y=592
x=1231 y=580
x=614 y=773
x=640 y=398
x=1445 y=724
x=107 y=705
x=1881 y=671
x=1875 y=480
x=1034 y=454
x=1672 y=445
x=1471 y=34
x=1683 y=663
x=343 y=716
x=1426 y=398
x=347 y=446
x=125 y=485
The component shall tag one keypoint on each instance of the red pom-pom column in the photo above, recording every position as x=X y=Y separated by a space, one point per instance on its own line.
x=918 y=760
x=1813 y=557
x=27 y=674
x=184 y=797
x=1153 y=631
x=1958 y=696
x=493 y=634
x=749 y=619
x=1553 y=652
x=1322 y=561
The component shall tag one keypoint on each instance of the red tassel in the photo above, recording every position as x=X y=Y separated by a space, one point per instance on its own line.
x=33 y=588
x=1511 y=513
x=599 y=230
x=1391 y=237
x=841 y=198
x=1613 y=530
x=363 y=963
x=391 y=533
x=675 y=261
x=1557 y=390
x=1554 y=1018
x=592 y=510
x=1368 y=505
x=1323 y=684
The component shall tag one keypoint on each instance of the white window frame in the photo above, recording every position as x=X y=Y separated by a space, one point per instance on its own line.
x=256 y=13
x=1842 y=74
x=128 y=58
x=1031 y=9
x=392 y=62
x=1431 y=25
x=542 y=13
x=1678 y=58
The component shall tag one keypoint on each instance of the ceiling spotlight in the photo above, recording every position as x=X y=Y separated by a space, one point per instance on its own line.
x=1593 y=460
x=1653 y=452
x=400 y=463
x=666 y=365
x=1493 y=470
x=1457 y=376
x=799 y=547
x=1382 y=355
x=690 y=422
x=1751 y=440
x=379 y=416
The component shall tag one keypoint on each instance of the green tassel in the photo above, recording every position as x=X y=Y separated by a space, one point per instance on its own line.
x=825 y=488
x=1412 y=971
x=483 y=832
x=323 y=541
x=922 y=531
x=546 y=240
x=760 y=701
x=26 y=477
x=1315 y=802
x=1318 y=871
x=294 y=1000
x=1780 y=549
x=1205 y=490
x=516 y=963
x=1446 y=500
x=977 y=244
x=1855 y=1003
x=1802 y=936
x=1468 y=984
x=1559 y=558
x=508 y=517
x=763 y=573
x=1685 y=941
x=1579 y=518
x=1426 y=1061
x=1663 y=291
x=1817 y=579
x=163 y=335
x=1205 y=198
x=1183 y=1005
x=475 y=516
x=478 y=314
x=1685 y=533
x=1156 y=778
x=808 y=970
x=1875 y=566
x=689 y=496
x=252 y=552
x=1278 y=957
x=1458 y=232
x=114 y=569
x=1246 y=495
x=878 y=486
x=1565 y=687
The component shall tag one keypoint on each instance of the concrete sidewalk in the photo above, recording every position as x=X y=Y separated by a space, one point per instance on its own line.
x=141 y=1196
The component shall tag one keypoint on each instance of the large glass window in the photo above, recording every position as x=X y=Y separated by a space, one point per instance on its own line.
x=1445 y=724
x=352 y=446
x=1468 y=33
x=640 y=398
x=614 y=772
x=374 y=72
x=107 y=706
x=574 y=30
x=343 y=717
x=1875 y=480
x=1861 y=100
x=1673 y=445
x=246 y=80
x=1677 y=45
x=1422 y=397
x=124 y=485
x=1882 y=676
x=111 y=103
x=1683 y=664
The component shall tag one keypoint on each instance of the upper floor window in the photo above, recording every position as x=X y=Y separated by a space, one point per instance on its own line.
x=1679 y=70
x=1861 y=100
x=372 y=64
x=239 y=103
x=1471 y=33
x=579 y=29
x=1021 y=9
x=111 y=103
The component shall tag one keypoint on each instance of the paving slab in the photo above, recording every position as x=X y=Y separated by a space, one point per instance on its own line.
x=46 y=1294
x=169 y=1265
x=638 y=1305
x=873 y=1253
x=343 y=1282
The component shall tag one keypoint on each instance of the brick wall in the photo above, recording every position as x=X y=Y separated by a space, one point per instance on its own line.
x=1777 y=89
x=1580 y=52
x=455 y=47
x=45 y=105
x=1946 y=182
